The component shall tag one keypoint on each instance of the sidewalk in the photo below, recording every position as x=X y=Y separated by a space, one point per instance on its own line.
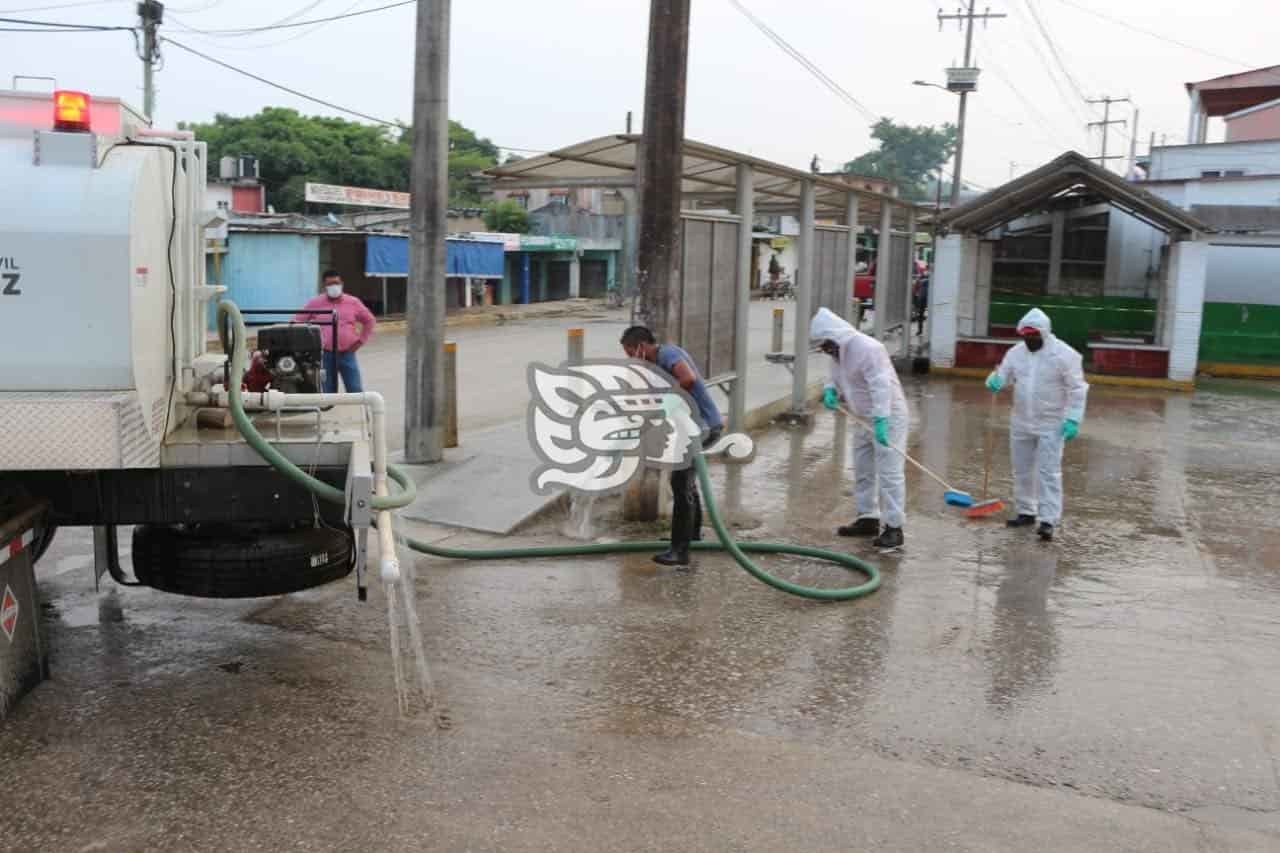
x=484 y=483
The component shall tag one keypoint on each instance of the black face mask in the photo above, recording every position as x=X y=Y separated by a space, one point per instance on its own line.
x=1033 y=342
x=831 y=348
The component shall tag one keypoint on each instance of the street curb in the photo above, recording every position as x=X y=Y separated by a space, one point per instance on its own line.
x=1091 y=378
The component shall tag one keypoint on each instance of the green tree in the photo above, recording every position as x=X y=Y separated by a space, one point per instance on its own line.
x=906 y=155
x=507 y=217
x=292 y=149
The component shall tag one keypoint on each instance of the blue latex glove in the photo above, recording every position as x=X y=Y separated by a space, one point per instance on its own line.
x=994 y=383
x=882 y=431
x=831 y=399
x=1070 y=428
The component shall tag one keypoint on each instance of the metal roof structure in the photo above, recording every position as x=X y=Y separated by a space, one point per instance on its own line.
x=1068 y=174
x=709 y=178
x=1231 y=93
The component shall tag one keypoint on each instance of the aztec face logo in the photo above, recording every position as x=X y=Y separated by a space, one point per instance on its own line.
x=594 y=426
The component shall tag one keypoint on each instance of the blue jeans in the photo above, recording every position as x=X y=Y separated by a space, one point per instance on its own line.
x=349 y=369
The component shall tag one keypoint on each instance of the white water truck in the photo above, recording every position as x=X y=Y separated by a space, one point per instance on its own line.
x=107 y=379
x=104 y=314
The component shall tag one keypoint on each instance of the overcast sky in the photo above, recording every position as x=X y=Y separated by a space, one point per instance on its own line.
x=540 y=75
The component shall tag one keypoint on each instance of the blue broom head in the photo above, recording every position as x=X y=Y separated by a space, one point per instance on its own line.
x=959 y=498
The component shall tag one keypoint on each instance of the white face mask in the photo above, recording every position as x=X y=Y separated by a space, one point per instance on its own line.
x=333 y=290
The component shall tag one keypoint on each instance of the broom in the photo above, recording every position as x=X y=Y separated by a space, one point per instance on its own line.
x=952 y=495
x=987 y=506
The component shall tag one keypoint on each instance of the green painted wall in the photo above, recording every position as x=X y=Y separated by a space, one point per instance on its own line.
x=1239 y=333
x=1074 y=317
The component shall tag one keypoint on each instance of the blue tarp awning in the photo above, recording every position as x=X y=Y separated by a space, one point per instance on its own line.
x=388 y=255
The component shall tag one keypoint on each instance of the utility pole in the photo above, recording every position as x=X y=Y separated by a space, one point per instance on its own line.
x=1106 y=123
x=150 y=16
x=658 y=178
x=1133 y=146
x=659 y=168
x=424 y=411
x=963 y=84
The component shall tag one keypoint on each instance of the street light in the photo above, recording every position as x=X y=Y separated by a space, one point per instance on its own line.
x=955 y=176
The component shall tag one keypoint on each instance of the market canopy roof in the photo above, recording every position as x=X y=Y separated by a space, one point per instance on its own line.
x=1071 y=173
x=709 y=178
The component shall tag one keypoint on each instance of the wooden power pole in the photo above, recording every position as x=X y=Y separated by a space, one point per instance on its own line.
x=658 y=178
x=424 y=413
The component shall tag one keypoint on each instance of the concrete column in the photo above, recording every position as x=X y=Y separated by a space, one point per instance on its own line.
x=804 y=301
x=1193 y=120
x=904 y=350
x=944 y=286
x=967 y=289
x=884 y=243
x=742 y=301
x=1189 y=262
x=466 y=292
x=1057 y=237
x=629 y=224
x=851 y=259
x=611 y=270
x=544 y=269
x=504 y=290
x=525 y=278
x=982 y=288
x=575 y=276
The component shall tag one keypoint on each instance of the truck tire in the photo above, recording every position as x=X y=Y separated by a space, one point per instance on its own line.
x=238 y=561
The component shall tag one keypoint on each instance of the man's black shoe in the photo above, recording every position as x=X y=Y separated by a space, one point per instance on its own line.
x=1045 y=531
x=673 y=557
x=890 y=538
x=1021 y=521
x=861 y=527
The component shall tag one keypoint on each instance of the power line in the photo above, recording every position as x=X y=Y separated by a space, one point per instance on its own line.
x=1027 y=102
x=222 y=43
x=287 y=23
x=57 y=26
x=396 y=124
x=62 y=30
x=1047 y=63
x=806 y=63
x=1137 y=29
x=58 y=6
x=1053 y=48
x=282 y=87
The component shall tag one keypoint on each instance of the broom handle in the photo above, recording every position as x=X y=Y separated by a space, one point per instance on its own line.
x=986 y=475
x=860 y=422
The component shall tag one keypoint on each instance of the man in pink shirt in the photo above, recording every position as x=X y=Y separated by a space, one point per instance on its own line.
x=355 y=327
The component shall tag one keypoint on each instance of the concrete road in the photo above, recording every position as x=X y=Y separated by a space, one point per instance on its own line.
x=1113 y=691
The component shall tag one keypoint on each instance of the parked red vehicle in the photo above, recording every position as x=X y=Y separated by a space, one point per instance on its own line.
x=864 y=284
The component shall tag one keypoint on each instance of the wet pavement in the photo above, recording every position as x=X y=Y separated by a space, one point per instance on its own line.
x=1114 y=690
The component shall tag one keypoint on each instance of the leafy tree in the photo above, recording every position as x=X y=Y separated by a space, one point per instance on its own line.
x=292 y=149
x=907 y=155
x=506 y=216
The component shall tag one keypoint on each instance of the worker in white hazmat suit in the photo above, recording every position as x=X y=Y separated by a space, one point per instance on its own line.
x=1049 y=394
x=863 y=376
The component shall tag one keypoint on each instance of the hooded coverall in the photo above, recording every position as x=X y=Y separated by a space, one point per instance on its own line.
x=1048 y=388
x=866 y=380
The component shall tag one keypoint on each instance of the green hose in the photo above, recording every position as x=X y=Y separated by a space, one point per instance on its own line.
x=407 y=492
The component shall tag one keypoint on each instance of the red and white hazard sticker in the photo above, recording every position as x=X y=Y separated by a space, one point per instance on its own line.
x=14 y=546
x=8 y=613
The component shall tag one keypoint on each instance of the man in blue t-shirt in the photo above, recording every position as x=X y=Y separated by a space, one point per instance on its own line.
x=686 y=503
